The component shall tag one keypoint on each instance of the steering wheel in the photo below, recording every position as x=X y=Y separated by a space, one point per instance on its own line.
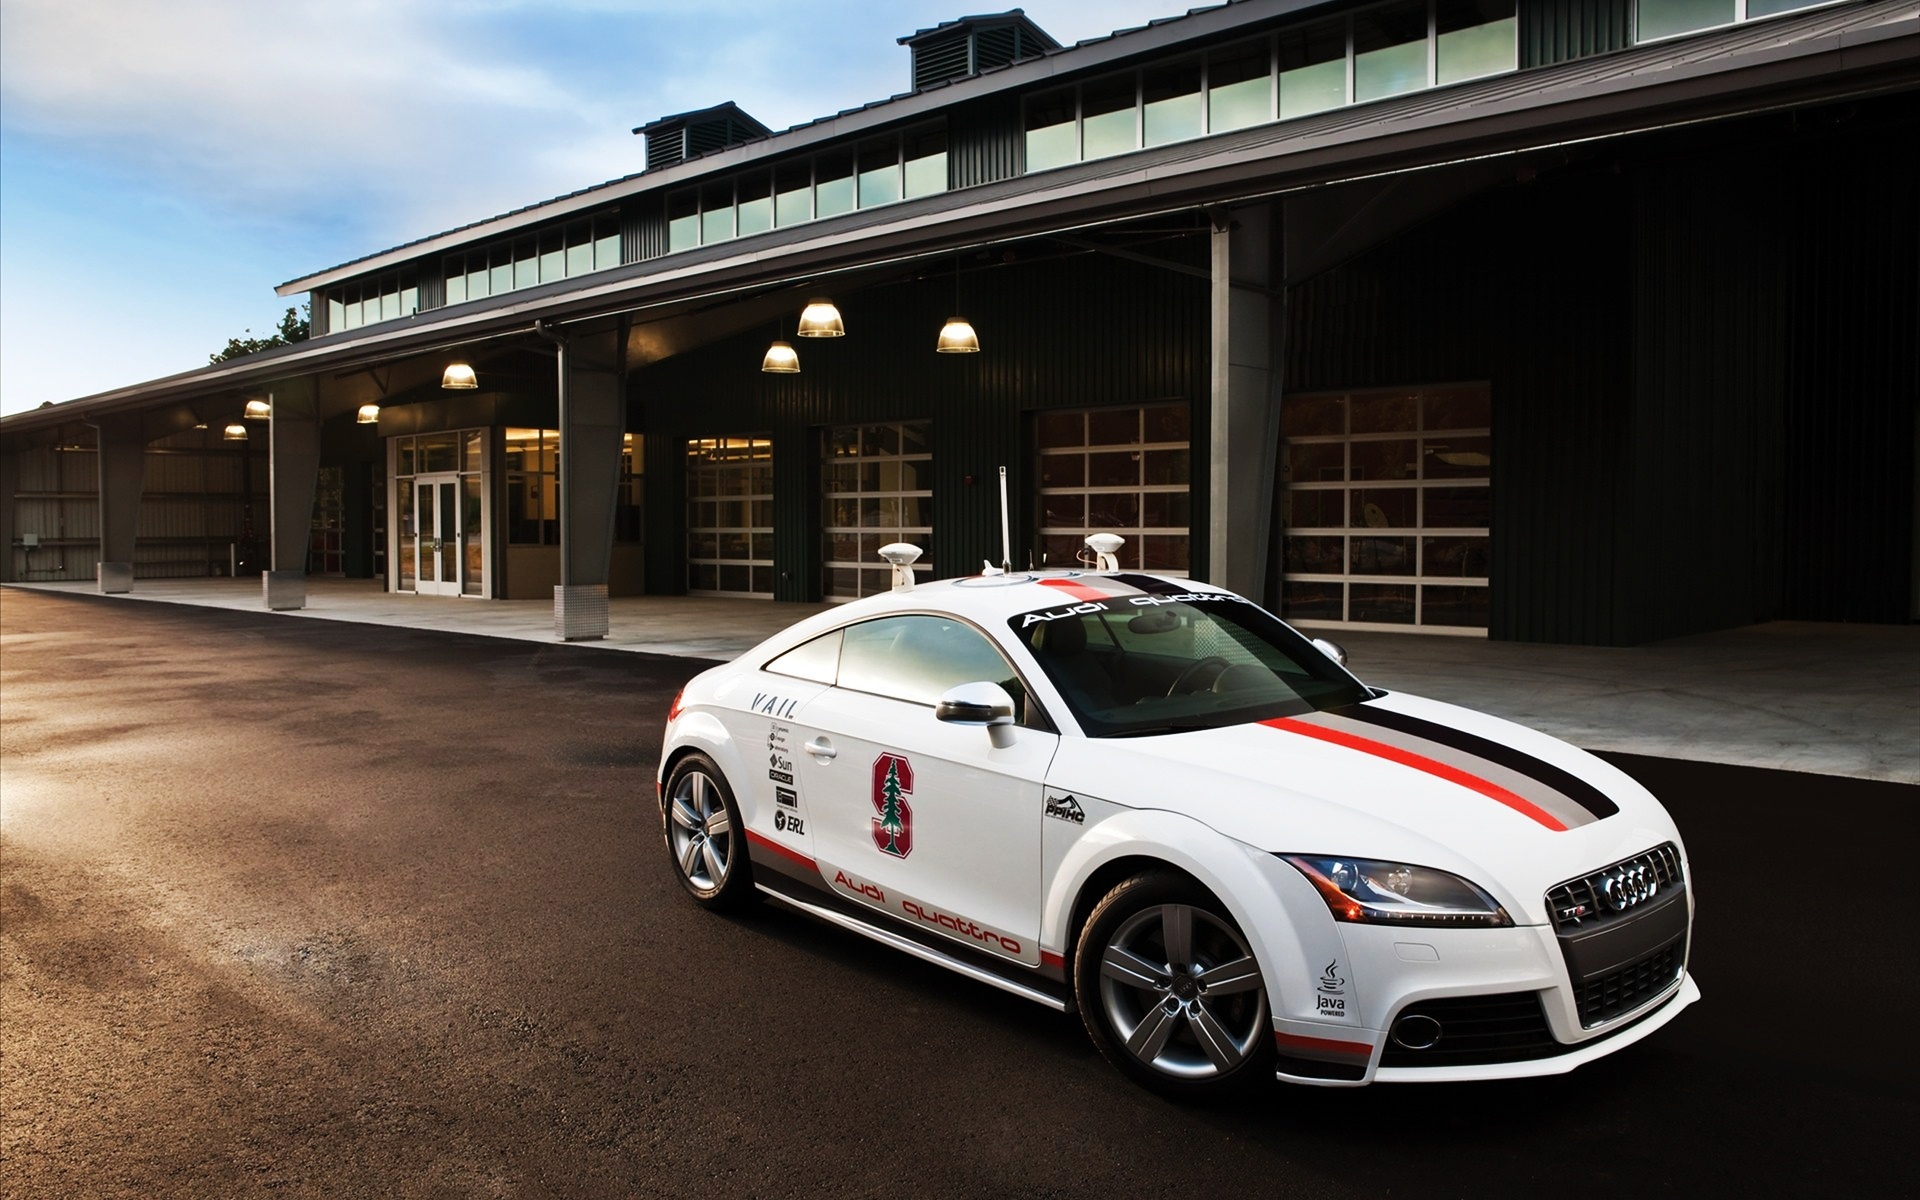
x=1190 y=679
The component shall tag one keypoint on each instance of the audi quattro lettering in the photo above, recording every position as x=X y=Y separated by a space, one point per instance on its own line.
x=1150 y=801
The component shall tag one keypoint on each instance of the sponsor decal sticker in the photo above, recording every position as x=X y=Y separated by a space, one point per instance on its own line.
x=893 y=815
x=1066 y=808
x=786 y=798
x=1331 y=1000
x=772 y=705
x=786 y=822
x=779 y=759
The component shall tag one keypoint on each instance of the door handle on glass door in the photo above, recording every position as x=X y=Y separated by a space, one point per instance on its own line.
x=820 y=748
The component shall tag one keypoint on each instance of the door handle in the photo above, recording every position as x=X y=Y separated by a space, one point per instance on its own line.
x=820 y=748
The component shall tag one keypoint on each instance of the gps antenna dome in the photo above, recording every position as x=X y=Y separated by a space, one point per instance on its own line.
x=901 y=555
x=1104 y=547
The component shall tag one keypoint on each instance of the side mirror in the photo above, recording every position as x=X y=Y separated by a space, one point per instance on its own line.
x=1333 y=650
x=979 y=703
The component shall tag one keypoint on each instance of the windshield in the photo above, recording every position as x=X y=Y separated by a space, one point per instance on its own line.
x=1129 y=666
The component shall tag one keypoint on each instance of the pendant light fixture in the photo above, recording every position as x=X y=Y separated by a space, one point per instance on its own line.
x=258 y=410
x=780 y=358
x=820 y=319
x=459 y=377
x=957 y=336
x=235 y=432
x=369 y=414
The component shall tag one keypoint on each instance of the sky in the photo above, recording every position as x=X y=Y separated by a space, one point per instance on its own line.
x=163 y=166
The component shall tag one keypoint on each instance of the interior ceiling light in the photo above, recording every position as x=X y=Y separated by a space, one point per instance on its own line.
x=956 y=336
x=459 y=377
x=258 y=410
x=235 y=432
x=368 y=414
x=820 y=319
x=780 y=360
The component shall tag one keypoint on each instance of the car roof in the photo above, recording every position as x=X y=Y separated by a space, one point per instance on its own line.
x=988 y=600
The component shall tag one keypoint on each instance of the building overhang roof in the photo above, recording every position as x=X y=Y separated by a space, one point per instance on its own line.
x=1828 y=55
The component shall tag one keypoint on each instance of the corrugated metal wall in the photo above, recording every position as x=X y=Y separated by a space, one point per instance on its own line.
x=1554 y=31
x=1704 y=357
x=1700 y=536
x=643 y=229
x=985 y=143
x=1852 y=379
x=191 y=509
x=1080 y=331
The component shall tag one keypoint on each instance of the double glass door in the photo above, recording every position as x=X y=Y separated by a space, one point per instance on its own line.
x=438 y=534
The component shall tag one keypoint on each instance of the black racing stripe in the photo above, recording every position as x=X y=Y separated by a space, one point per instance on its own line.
x=1570 y=785
x=1150 y=585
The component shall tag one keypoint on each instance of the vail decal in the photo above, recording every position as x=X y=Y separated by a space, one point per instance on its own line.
x=773 y=706
x=893 y=822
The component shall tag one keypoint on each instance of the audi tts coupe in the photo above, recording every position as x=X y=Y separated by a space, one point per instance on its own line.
x=1152 y=801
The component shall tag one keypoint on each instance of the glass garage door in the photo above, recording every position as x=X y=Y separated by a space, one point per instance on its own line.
x=730 y=516
x=1388 y=508
x=877 y=483
x=1117 y=470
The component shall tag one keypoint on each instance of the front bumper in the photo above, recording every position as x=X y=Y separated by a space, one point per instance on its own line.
x=1498 y=1003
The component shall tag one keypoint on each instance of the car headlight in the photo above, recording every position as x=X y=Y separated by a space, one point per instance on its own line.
x=1389 y=893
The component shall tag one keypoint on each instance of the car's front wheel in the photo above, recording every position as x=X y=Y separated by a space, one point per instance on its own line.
x=705 y=836
x=1169 y=989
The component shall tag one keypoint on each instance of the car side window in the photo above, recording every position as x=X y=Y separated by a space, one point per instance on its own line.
x=918 y=658
x=815 y=660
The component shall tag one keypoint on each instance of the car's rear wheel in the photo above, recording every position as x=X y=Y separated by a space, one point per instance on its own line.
x=1169 y=990
x=705 y=836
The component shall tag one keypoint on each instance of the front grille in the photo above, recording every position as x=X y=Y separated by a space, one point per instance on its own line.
x=1507 y=1027
x=1628 y=988
x=1578 y=904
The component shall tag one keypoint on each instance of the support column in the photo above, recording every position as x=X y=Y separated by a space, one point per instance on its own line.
x=592 y=420
x=9 y=526
x=122 y=461
x=1244 y=430
x=293 y=462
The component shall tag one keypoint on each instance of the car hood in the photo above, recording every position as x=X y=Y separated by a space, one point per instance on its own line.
x=1397 y=777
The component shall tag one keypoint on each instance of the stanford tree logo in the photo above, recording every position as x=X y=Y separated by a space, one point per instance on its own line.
x=892 y=784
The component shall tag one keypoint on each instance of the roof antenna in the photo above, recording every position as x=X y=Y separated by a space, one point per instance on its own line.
x=1105 y=547
x=901 y=555
x=1006 y=541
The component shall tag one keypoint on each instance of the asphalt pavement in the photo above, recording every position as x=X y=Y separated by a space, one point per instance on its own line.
x=322 y=909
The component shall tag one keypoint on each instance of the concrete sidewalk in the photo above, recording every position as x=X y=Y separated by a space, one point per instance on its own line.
x=1827 y=699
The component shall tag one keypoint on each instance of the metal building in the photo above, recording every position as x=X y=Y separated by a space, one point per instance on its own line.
x=1590 y=321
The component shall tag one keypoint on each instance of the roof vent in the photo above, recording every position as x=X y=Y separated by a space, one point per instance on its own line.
x=969 y=45
x=677 y=138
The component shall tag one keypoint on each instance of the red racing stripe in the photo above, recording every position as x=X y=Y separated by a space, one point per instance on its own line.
x=1421 y=762
x=1294 y=1041
x=1079 y=591
x=791 y=855
x=1049 y=959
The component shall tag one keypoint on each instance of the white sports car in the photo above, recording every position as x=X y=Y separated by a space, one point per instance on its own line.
x=1152 y=800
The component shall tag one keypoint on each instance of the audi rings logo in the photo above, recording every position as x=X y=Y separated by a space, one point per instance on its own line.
x=1628 y=885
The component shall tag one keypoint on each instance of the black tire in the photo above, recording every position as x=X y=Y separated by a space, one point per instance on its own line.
x=1188 y=1021
x=705 y=837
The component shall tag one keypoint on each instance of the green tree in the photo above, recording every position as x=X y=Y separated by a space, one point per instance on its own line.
x=294 y=327
x=890 y=808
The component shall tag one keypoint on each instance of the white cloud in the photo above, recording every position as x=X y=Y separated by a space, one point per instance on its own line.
x=282 y=136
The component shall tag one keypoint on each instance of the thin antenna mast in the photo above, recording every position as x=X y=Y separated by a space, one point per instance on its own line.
x=1006 y=540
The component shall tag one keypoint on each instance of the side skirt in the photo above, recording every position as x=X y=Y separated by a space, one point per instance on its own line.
x=789 y=891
